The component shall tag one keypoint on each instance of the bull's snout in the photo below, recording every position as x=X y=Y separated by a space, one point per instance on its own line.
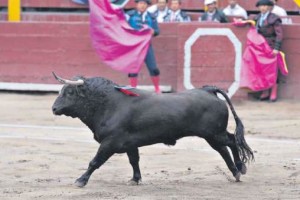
x=55 y=110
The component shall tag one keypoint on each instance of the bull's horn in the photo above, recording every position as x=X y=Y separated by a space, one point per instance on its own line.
x=65 y=81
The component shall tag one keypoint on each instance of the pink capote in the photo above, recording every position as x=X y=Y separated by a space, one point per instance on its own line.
x=118 y=45
x=259 y=64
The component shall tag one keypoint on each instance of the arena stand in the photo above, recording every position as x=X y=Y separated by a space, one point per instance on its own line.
x=53 y=35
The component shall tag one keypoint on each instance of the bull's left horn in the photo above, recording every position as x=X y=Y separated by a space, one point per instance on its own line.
x=65 y=81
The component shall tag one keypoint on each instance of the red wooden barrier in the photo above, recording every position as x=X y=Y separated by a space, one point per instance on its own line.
x=50 y=17
x=30 y=51
x=249 y=5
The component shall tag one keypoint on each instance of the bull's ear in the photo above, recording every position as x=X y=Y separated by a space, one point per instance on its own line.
x=81 y=91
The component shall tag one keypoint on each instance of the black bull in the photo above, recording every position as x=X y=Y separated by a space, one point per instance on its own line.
x=122 y=124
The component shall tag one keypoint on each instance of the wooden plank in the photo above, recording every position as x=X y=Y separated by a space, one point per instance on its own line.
x=209 y=74
x=55 y=17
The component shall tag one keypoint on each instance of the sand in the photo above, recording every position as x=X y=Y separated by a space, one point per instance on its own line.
x=42 y=155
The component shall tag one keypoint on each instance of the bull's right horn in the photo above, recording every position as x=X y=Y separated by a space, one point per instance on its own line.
x=65 y=81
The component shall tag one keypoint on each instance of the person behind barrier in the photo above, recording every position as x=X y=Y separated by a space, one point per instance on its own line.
x=234 y=9
x=213 y=14
x=137 y=18
x=269 y=25
x=160 y=10
x=262 y=58
x=278 y=10
x=175 y=13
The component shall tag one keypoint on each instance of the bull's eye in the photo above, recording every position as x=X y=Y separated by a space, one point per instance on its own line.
x=70 y=92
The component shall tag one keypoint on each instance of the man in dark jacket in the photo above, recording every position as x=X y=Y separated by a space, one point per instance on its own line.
x=175 y=14
x=137 y=18
x=213 y=14
x=269 y=25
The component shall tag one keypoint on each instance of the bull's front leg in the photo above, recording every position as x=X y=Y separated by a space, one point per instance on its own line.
x=103 y=154
x=134 y=157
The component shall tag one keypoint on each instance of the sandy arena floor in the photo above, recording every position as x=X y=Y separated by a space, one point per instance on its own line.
x=42 y=155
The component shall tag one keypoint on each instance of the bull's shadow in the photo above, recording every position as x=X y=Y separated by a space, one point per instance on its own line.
x=123 y=120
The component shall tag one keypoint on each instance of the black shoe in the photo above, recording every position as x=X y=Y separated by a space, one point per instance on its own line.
x=264 y=98
x=273 y=100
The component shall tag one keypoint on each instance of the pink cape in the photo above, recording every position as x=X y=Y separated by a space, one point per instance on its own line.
x=118 y=45
x=259 y=65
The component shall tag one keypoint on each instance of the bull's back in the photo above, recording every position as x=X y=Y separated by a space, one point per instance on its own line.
x=209 y=113
x=172 y=116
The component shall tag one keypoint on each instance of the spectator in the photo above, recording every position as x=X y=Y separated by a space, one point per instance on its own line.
x=175 y=13
x=234 y=9
x=213 y=14
x=160 y=10
x=137 y=18
x=278 y=10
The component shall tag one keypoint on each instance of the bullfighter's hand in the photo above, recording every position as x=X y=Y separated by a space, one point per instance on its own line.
x=152 y=31
x=275 y=52
x=237 y=19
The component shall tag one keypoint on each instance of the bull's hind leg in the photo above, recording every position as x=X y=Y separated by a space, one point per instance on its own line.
x=134 y=158
x=238 y=162
x=222 y=149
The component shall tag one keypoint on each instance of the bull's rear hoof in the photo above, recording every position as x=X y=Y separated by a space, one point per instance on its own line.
x=133 y=182
x=80 y=183
x=237 y=177
x=242 y=167
x=243 y=170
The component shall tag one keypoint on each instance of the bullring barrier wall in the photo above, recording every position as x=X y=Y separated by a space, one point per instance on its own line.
x=249 y=5
x=30 y=51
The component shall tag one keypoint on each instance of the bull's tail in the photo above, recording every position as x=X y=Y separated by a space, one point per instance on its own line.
x=245 y=151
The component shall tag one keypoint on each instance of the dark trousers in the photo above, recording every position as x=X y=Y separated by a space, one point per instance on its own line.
x=150 y=63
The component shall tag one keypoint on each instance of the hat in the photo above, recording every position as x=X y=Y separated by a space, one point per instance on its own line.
x=147 y=1
x=264 y=3
x=206 y=2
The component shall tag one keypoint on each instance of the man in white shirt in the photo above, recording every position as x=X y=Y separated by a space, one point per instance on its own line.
x=278 y=10
x=234 y=9
x=160 y=10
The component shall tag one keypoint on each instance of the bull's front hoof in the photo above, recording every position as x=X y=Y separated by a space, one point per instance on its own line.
x=80 y=182
x=237 y=177
x=134 y=182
